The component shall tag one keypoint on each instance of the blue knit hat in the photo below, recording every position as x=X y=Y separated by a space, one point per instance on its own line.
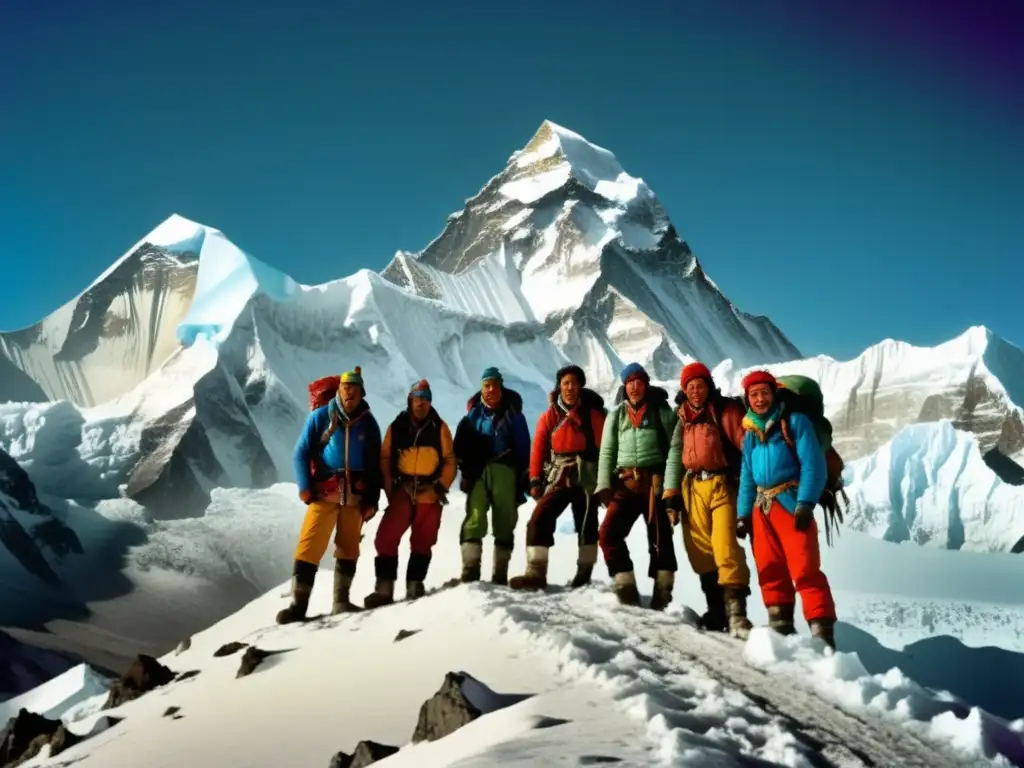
x=421 y=389
x=634 y=370
x=491 y=373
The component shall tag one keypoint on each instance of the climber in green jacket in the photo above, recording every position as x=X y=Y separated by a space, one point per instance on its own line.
x=638 y=434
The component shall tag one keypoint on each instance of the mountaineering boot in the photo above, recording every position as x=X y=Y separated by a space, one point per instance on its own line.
x=472 y=552
x=780 y=618
x=625 y=588
x=824 y=630
x=304 y=574
x=342 y=588
x=414 y=589
x=584 y=566
x=383 y=594
x=736 y=610
x=502 y=557
x=417 y=567
x=536 y=576
x=661 y=596
x=714 y=619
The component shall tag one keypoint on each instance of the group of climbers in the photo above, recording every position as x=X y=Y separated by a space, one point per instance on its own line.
x=723 y=468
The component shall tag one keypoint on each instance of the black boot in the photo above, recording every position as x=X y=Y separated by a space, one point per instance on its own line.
x=386 y=572
x=415 y=575
x=303 y=576
x=780 y=618
x=824 y=630
x=714 y=619
x=343 y=575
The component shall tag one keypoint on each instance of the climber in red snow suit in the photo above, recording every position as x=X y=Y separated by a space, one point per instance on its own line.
x=779 y=488
x=563 y=471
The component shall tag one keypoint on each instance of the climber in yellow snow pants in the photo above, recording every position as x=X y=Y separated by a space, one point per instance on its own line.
x=322 y=519
x=710 y=533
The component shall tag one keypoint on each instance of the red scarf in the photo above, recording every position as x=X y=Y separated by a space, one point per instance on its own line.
x=636 y=415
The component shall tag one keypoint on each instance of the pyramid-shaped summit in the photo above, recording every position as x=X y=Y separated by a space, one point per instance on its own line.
x=557 y=150
x=565 y=237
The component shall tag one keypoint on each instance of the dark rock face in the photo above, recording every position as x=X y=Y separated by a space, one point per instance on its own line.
x=229 y=648
x=251 y=659
x=27 y=733
x=445 y=712
x=366 y=753
x=37 y=531
x=145 y=674
x=404 y=633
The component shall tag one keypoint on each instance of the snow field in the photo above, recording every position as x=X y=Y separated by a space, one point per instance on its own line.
x=609 y=683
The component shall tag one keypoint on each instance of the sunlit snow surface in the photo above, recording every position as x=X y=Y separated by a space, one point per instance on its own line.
x=618 y=677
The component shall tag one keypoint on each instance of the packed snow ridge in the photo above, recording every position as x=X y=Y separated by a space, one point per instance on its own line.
x=524 y=680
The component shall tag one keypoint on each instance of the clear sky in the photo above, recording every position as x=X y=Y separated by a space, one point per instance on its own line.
x=855 y=170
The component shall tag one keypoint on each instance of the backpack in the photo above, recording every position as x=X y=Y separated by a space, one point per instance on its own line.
x=802 y=394
x=321 y=392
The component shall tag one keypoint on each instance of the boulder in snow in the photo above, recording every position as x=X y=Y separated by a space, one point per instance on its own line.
x=27 y=733
x=229 y=648
x=145 y=674
x=461 y=700
x=251 y=659
x=366 y=753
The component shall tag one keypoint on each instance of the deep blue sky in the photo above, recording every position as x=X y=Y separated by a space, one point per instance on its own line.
x=855 y=173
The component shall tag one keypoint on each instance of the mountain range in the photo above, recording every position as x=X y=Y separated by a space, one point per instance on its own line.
x=183 y=369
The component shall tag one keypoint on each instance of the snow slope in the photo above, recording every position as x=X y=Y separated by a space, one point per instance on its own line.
x=117 y=332
x=563 y=236
x=564 y=677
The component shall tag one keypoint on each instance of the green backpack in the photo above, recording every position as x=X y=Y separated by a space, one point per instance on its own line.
x=802 y=394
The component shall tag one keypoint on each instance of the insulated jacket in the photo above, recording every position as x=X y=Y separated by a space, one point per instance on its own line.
x=500 y=435
x=418 y=455
x=354 y=445
x=569 y=432
x=768 y=461
x=624 y=447
x=703 y=432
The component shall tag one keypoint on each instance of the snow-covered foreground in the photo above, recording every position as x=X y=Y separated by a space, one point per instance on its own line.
x=602 y=684
x=624 y=678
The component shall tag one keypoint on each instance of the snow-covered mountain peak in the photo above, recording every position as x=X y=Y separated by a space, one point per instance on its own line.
x=555 y=155
x=566 y=238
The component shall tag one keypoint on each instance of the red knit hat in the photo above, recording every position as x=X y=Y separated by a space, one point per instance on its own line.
x=694 y=371
x=759 y=377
